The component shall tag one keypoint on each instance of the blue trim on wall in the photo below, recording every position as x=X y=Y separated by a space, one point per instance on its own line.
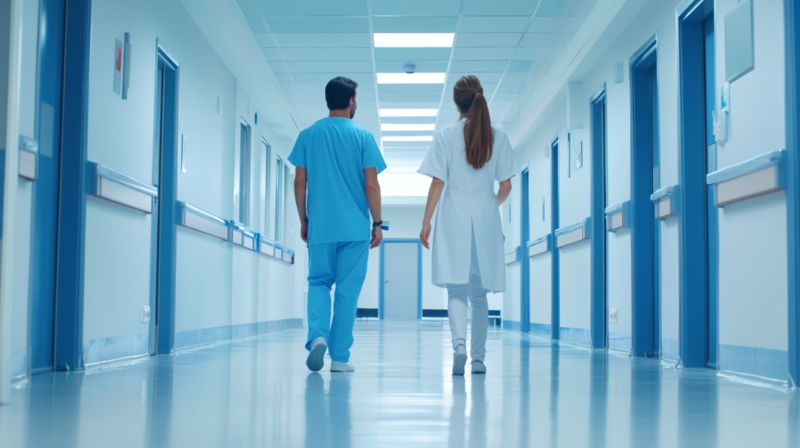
x=580 y=336
x=191 y=338
x=110 y=349
x=541 y=330
x=72 y=201
x=762 y=362
x=244 y=330
x=511 y=325
x=272 y=326
x=2 y=186
x=740 y=169
x=792 y=33
x=620 y=342
x=597 y=231
x=578 y=225
x=419 y=273
x=525 y=271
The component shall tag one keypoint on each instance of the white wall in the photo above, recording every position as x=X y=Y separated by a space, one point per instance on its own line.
x=752 y=233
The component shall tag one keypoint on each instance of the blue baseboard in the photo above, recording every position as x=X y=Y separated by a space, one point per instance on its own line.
x=578 y=336
x=109 y=349
x=190 y=338
x=762 y=362
x=244 y=330
x=670 y=349
x=19 y=362
x=271 y=326
x=511 y=325
x=620 y=342
x=541 y=330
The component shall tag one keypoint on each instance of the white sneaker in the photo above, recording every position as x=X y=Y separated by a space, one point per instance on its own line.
x=478 y=367
x=337 y=366
x=459 y=360
x=316 y=355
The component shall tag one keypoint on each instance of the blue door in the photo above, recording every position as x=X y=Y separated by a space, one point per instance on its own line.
x=599 y=300
x=44 y=231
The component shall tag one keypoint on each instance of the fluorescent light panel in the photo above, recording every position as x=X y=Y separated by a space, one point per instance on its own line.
x=408 y=112
x=413 y=40
x=408 y=138
x=408 y=127
x=411 y=78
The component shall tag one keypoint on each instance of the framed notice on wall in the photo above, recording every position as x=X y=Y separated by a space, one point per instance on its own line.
x=118 y=68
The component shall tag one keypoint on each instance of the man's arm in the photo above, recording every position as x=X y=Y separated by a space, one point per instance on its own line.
x=300 y=198
x=373 y=190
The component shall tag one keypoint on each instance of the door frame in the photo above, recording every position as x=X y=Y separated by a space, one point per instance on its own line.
x=525 y=271
x=598 y=237
x=693 y=223
x=70 y=261
x=555 y=277
x=419 y=273
x=166 y=215
x=792 y=33
x=643 y=243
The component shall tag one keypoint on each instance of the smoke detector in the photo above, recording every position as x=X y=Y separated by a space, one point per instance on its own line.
x=410 y=68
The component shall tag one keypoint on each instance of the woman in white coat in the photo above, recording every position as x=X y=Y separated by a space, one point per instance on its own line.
x=465 y=160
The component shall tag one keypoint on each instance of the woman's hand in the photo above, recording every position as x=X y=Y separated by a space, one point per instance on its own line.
x=425 y=235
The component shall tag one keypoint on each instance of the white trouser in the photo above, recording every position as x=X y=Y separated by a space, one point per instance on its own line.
x=457 y=311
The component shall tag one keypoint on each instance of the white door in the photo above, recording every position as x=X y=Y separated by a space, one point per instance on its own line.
x=400 y=269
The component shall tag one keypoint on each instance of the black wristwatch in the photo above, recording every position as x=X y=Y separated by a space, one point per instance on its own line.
x=377 y=224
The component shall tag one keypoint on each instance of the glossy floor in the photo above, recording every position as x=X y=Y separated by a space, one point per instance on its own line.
x=257 y=392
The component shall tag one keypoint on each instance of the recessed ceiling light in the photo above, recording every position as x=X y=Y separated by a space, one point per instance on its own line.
x=413 y=40
x=408 y=112
x=411 y=78
x=408 y=127
x=410 y=138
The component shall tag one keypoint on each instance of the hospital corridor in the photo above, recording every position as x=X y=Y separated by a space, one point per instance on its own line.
x=383 y=223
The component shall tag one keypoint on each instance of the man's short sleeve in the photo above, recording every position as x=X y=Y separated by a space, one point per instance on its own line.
x=507 y=164
x=435 y=163
x=371 y=156
x=298 y=155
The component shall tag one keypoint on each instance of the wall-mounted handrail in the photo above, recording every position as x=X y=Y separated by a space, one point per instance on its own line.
x=758 y=163
x=573 y=233
x=618 y=216
x=539 y=245
x=665 y=201
x=114 y=186
x=204 y=222
x=513 y=256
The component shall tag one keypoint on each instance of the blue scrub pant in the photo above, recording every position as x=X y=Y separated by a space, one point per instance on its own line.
x=343 y=264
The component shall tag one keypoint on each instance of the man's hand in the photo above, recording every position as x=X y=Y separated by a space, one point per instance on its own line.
x=425 y=235
x=377 y=237
x=304 y=231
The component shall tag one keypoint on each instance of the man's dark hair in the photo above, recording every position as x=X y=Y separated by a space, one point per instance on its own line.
x=339 y=91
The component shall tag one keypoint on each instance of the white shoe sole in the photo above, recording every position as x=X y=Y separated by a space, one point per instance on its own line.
x=345 y=370
x=459 y=361
x=479 y=370
x=316 y=357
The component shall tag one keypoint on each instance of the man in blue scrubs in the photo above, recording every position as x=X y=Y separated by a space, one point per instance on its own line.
x=337 y=165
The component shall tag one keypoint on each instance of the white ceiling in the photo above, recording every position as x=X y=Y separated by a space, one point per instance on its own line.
x=509 y=44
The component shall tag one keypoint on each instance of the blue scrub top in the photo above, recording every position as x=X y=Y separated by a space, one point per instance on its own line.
x=334 y=152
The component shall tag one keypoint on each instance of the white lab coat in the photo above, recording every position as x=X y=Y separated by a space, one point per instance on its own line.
x=468 y=205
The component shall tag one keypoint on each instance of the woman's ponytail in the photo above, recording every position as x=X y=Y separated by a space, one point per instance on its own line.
x=478 y=134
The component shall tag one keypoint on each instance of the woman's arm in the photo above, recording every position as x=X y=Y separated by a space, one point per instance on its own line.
x=433 y=198
x=503 y=192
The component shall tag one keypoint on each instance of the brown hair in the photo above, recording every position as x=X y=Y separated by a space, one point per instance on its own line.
x=478 y=134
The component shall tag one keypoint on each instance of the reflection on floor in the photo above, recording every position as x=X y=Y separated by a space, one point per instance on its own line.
x=257 y=392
